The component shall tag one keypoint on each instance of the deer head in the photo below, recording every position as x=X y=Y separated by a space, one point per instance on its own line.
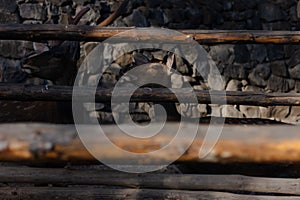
x=57 y=64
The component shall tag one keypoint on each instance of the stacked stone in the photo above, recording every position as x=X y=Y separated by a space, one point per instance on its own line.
x=266 y=68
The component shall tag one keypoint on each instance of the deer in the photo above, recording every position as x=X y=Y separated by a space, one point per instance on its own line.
x=57 y=61
x=16 y=111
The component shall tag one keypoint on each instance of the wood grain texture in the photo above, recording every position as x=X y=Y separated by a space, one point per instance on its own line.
x=36 y=143
x=89 y=33
x=198 y=182
x=19 y=92
x=32 y=193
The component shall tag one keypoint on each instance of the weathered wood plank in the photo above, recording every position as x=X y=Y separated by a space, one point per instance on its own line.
x=40 y=142
x=150 y=181
x=32 y=193
x=64 y=93
x=89 y=33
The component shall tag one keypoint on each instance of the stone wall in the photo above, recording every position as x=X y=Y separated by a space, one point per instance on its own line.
x=268 y=68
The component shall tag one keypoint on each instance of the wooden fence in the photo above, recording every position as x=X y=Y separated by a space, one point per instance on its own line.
x=34 y=144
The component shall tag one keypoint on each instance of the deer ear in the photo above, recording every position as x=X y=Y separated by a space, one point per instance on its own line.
x=40 y=47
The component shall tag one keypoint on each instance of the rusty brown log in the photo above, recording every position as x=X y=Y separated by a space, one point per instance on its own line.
x=85 y=193
x=53 y=143
x=18 y=92
x=154 y=181
x=89 y=33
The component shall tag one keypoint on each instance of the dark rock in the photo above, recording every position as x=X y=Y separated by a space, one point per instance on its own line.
x=145 y=10
x=214 y=5
x=239 y=16
x=276 y=26
x=254 y=23
x=286 y=4
x=295 y=72
x=245 y=15
x=33 y=11
x=279 y=84
x=260 y=74
x=259 y=53
x=156 y=17
x=279 y=68
x=297 y=86
x=11 y=71
x=136 y=19
x=220 y=53
x=291 y=83
x=134 y=4
x=64 y=2
x=148 y=55
x=14 y=49
x=295 y=59
x=8 y=18
x=8 y=12
x=241 y=5
x=291 y=50
x=166 y=4
x=193 y=15
x=175 y=16
x=270 y=12
x=236 y=71
x=242 y=54
x=209 y=17
x=152 y=3
x=275 y=52
x=113 y=7
x=178 y=3
x=227 y=5
x=293 y=14
x=139 y=58
x=8 y=6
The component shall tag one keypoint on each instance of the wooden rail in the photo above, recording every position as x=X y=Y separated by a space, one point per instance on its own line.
x=89 y=33
x=18 y=92
x=57 y=143
x=154 y=181
x=91 y=193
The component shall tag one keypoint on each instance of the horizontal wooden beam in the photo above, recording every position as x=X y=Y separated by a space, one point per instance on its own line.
x=18 y=92
x=154 y=181
x=59 y=143
x=89 y=193
x=92 y=33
